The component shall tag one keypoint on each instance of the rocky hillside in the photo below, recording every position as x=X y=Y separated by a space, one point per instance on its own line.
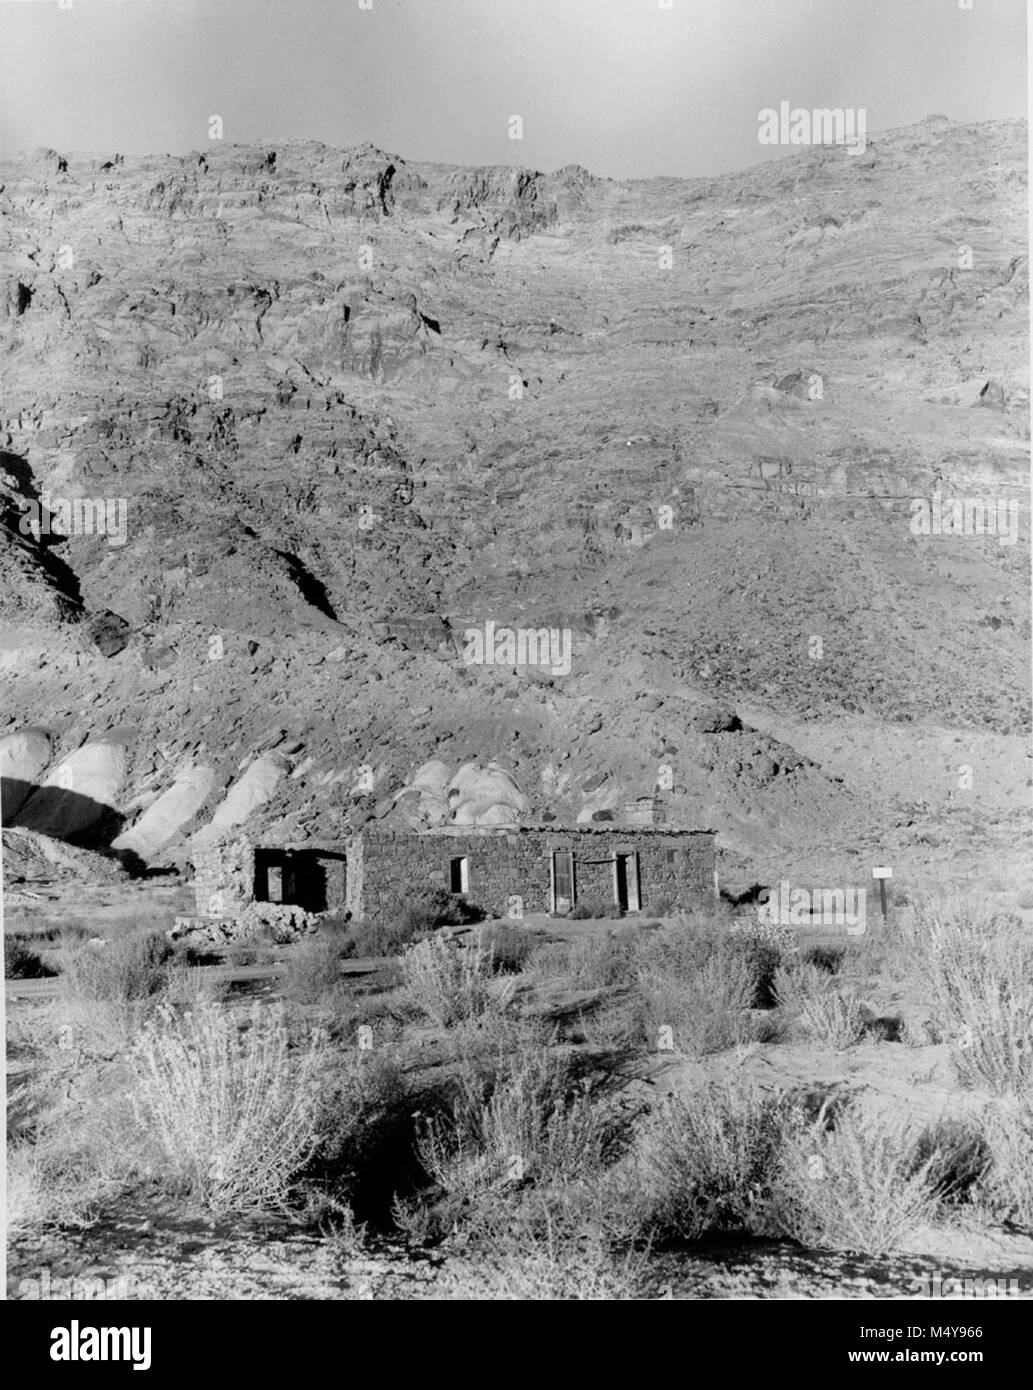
x=355 y=407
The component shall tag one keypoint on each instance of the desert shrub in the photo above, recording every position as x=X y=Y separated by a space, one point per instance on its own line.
x=609 y=1201
x=414 y=921
x=72 y=1144
x=591 y=909
x=662 y=906
x=400 y=924
x=20 y=963
x=449 y=983
x=39 y=929
x=344 y=1236
x=384 y=1010
x=452 y=909
x=544 y=1253
x=49 y=1185
x=190 y=986
x=856 y=1186
x=596 y=962
x=313 y=973
x=546 y=961
x=762 y=954
x=782 y=939
x=614 y=1022
x=70 y=930
x=35 y=1195
x=905 y=952
x=679 y=948
x=555 y=1267
x=1006 y=1187
x=252 y=955
x=106 y=991
x=130 y=968
x=989 y=1006
x=232 y=1107
x=29 y=1083
x=510 y=947
x=958 y=1158
x=191 y=954
x=356 y=1088
x=436 y=907
x=494 y=1033
x=416 y=1219
x=708 y=1161
x=971 y=966
x=768 y=1027
x=527 y=1123
x=827 y=958
x=704 y=1003
x=935 y=929
x=364 y=938
x=699 y=982
x=828 y=1012
x=363 y=1149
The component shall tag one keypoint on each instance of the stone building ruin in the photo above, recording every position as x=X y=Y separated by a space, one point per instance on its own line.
x=508 y=871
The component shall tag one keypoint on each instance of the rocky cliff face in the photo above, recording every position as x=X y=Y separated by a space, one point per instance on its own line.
x=340 y=409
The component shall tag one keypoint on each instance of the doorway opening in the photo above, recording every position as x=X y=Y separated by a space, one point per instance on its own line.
x=625 y=882
x=312 y=879
x=562 y=882
x=459 y=875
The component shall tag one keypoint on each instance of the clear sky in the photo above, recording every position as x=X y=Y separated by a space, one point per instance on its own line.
x=624 y=87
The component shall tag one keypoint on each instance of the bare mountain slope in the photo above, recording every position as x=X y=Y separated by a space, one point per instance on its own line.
x=356 y=406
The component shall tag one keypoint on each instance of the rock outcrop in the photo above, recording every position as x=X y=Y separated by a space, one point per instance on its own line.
x=355 y=406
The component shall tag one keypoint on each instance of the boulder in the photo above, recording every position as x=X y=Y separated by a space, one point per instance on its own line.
x=166 y=815
x=247 y=794
x=23 y=756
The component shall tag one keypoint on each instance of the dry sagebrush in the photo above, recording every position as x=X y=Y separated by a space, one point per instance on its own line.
x=527 y=1123
x=107 y=990
x=858 y=1184
x=234 y=1107
x=451 y=984
x=826 y=1008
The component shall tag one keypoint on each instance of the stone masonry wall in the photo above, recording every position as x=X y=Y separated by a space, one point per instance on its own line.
x=224 y=877
x=387 y=868
x=224 y=873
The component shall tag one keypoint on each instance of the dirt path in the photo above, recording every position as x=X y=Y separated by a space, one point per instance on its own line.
x=161 y=1253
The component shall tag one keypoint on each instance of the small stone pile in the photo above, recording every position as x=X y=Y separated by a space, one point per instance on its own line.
x=274 y=922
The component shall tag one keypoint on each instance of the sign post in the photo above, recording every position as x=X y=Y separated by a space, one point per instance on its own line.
x=882 y=875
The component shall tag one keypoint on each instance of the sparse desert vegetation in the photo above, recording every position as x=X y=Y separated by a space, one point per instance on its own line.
x=23 y=963
x=232 y=1105
x=107 y=989
x=827 y=1009
x=469 y=991
x=452 y=984
x=855 y=1183
x=313 y=971
x=482 y=1100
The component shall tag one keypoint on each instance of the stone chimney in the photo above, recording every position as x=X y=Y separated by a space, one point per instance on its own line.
x=646 y=810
